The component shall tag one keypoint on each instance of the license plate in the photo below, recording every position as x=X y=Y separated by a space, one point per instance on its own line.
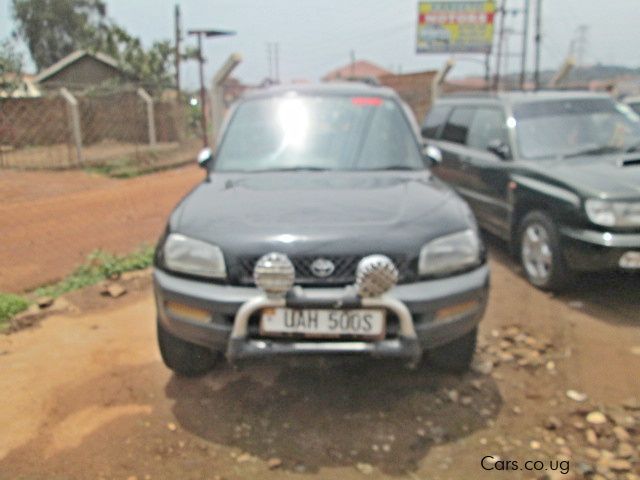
x=368 y=323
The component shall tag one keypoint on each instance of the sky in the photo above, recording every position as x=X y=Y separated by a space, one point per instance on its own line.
x=317 y=36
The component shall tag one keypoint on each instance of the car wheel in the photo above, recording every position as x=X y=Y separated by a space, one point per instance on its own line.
x=540 y=254
x=455 y=356
x=184 y=358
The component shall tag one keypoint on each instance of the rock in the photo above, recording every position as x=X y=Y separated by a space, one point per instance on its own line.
x=453 y=395
x=505 y=357
x=625 y=450
x=274 y=463
x=244 y=457
x=579 y=425
x=551 y=366
x=483 y=367
x=535 y=445
x=477 y=384
x=631 y=404
x=576 y=304
x=596 y=418
x=421 y=432
x=592 y=453
x=491 y=459
x=466 y=401
x=364 y=468
x=172 y=426
x=386 y=448
x=552 y=423
x=591 y=437
x=576 y=396
x=44 y=302
x=621 y=433
x=115 y=290
x=620 y=465
x=517 y=410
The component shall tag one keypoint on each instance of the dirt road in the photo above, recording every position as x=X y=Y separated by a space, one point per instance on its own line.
x=52 y=220
x=85 y=395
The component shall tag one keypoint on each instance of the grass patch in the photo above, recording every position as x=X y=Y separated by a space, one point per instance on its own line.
x=99 y=266
x=10 y=305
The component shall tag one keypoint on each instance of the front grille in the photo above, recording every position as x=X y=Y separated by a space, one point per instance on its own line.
x=344 y=272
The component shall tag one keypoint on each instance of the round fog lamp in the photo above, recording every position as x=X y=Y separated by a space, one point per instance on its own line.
x=375 y=275
x=274 y=273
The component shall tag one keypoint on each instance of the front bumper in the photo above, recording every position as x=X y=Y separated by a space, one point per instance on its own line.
x=430 y=313
x=591 y=250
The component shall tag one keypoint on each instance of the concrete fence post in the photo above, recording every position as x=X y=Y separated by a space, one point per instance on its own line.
x=74 y=122
x=217 y=93
x=151 y=119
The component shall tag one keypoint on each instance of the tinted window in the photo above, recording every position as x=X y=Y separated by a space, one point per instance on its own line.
x=434 y=121
x=575 y=127
x=457 y=127
x=488 y=125
x=318 y=132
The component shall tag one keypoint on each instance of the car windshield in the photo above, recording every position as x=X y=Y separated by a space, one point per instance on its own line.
x=564 y=128
x=318 y=133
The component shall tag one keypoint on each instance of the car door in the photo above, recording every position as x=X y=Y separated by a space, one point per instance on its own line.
x=488 y=169
x=452 y=144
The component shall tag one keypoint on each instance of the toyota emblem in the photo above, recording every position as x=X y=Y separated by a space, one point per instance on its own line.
x=321 y=267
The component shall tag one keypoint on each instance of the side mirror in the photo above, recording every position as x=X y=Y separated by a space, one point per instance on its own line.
x=204 y=157
x=500 y=149
x=432 y=154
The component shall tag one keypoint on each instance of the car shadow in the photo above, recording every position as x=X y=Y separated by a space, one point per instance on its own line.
x=314 y=414
x=608 y=296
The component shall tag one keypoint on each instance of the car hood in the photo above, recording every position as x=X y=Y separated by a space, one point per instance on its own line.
x=320 y=212
x=608 y=176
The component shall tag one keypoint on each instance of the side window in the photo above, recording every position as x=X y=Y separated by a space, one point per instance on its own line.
x=457 y=127
x=434 y=121
x=488 y=125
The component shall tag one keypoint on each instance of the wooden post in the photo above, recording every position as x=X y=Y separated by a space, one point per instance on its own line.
x=151 y=119
x=74 y=122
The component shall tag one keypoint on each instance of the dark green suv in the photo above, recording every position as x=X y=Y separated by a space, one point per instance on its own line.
x=556 y=174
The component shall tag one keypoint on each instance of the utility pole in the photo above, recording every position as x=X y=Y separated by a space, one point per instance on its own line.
x=203 y=91
x=276 y=48
x=269 y=61
x=353 y=63
x=536 y=74
x=177 y=50
x=525 y=45
x=581 y=44
x=503 y=13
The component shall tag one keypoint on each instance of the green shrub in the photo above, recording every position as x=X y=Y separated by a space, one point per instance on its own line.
x=11 y=305
x=99 y=266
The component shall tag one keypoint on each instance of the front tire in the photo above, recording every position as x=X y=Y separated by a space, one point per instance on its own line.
x=455 y=356
x=539 y=252
x=184 y=358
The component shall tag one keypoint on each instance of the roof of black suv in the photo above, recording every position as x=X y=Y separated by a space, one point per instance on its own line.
x=329 y=89
x=519 y=96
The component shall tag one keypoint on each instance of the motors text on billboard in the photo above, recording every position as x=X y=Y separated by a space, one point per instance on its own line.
x=455 y=26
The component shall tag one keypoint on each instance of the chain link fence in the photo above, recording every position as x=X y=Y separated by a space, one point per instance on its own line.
x=108 y=128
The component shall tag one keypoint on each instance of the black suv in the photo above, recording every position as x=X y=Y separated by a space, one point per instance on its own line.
x=319 y=229
x=556 y=174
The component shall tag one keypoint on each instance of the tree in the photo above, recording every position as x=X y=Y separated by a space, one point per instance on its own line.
x=10 y=67
x=52 y=29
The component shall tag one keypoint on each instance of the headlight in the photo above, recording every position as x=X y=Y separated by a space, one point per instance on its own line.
x=450 y=253
x=195 y=257
x=613 y=214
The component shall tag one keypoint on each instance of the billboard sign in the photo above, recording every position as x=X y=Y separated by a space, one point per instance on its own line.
x=449 y=26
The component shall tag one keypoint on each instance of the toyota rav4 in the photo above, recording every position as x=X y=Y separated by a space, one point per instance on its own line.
x=319 y=229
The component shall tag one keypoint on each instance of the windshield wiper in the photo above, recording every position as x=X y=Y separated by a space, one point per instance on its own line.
x=592 y=151
x=392 y=167
x=294 y=169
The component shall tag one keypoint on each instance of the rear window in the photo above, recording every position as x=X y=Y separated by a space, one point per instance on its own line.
x=457 y=128
x=434 y=121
